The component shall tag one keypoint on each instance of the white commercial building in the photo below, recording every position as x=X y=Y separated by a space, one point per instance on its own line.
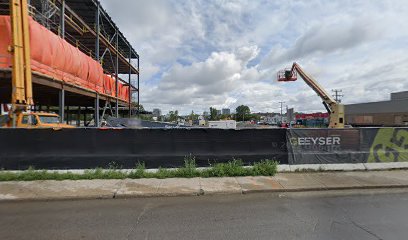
x=226 y=124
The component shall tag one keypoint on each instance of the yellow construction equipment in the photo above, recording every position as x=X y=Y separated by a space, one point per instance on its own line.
x=22 y=95
x=34 y=120
x=21 y=92
x=21 y=83
x=334 y=108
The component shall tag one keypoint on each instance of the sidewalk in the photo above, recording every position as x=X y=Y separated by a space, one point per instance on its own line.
x=128 y=188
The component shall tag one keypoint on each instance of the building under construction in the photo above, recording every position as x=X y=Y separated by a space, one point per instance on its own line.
x=82 y=65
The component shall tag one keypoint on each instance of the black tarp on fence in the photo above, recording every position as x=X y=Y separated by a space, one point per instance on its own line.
x=385 y=144
x=89 y=148
x=310 y=146
x=356 y=145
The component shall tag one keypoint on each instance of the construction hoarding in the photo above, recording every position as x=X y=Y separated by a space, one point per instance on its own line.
x=167 y=147
x=309 y=146
x=386 y=144
x=90 y=148
x=355 y=145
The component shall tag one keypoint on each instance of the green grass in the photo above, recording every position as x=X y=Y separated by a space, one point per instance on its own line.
x=233 y=168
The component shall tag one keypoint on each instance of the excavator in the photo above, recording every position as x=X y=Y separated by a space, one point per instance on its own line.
x=21 y=83
x=334 y=108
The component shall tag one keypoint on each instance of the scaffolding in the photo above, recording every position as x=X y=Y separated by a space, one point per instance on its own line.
x=86 y=25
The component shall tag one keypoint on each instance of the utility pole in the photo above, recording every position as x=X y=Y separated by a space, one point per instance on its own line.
x=281 y=107
x=337 y=96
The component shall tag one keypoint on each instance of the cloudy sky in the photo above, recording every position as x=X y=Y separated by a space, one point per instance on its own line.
x=196 y=54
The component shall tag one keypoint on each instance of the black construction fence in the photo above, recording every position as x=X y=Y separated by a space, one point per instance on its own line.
x=85 y=148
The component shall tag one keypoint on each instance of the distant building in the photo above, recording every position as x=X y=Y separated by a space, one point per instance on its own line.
x=218 y=112
x=393 y=112
x=274 y=119
x=226 y=111
x=312 y=120
x=157 y=112
x=290 y=115
x=181 y=121
x=224 y=124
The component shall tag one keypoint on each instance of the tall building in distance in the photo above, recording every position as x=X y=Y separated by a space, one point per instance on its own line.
x=226 y=111
x=157 y=112
x=290 y=115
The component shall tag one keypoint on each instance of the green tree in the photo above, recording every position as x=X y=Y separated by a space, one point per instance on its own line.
x=225 y=116
x=243 y=113
x=173 y=116
x=136 y=105
x=213 y=114
x=193 y=116
x=146 y=117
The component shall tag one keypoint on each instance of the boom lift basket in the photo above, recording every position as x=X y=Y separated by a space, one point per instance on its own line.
x=287 y=75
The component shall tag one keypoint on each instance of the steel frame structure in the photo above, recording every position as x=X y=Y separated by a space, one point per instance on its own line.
x=85 y=24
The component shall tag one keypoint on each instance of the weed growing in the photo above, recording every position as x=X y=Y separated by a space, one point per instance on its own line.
x=233 y=168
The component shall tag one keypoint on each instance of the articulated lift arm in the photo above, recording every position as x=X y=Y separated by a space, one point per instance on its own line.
x=21 y=93
x=21 y=73
x=335 y=109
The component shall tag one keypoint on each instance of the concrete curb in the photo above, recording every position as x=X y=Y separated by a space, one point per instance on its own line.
x=4 y=198
x=386 y=166
x=342 y=167
x=281 y=168
x=135 y=188
x=325 y=189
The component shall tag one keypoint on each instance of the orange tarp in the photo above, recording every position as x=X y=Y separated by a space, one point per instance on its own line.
x=55 y=57
x=5 y=41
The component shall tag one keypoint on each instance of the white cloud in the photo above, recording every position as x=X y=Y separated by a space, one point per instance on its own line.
x=337 y=34
x=198 y=54
x=206 y=83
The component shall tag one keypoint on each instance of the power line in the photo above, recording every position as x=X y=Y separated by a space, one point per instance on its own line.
x=337 y=96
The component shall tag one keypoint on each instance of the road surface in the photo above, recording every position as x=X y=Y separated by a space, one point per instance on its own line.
x=347 y=215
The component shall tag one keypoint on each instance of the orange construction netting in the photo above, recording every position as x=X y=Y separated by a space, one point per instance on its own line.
x=56 y=58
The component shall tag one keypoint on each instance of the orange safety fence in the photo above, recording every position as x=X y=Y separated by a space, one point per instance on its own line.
x=55 y=57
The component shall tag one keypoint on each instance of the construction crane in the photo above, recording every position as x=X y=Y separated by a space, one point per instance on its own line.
x=21 y=93
x=334 y=108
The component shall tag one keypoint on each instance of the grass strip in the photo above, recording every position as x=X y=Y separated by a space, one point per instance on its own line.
x=233 y=168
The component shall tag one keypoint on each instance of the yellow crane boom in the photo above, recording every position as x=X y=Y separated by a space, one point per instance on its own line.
x=335 y=109
x=22 y=94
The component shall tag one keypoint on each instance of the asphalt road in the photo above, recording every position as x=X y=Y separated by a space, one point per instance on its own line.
x=319 y=215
